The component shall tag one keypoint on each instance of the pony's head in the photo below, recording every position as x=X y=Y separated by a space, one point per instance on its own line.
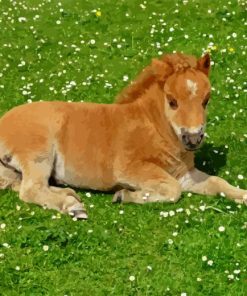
x=186 y=87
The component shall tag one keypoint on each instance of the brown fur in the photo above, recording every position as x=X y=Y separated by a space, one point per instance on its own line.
x=132 y=143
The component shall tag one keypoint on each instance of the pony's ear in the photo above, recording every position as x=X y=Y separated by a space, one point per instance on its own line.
x=203 y=64
x=161 y=70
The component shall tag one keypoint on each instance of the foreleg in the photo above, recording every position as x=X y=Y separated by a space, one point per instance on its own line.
x=202 y=183
x=150 y=183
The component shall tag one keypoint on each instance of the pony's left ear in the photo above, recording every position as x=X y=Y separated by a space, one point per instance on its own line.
x=161 y=70
x=203 y=64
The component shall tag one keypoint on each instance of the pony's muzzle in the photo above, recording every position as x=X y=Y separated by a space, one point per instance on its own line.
x=192 y=141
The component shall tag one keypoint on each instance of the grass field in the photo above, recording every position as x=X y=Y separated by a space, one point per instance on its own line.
x=89 y=50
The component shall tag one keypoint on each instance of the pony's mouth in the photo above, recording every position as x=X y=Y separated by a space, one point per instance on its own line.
x=192 y=141
x=190 y=138
x=192 y=147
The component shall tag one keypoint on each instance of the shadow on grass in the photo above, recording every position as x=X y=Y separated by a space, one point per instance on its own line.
x=211 y=159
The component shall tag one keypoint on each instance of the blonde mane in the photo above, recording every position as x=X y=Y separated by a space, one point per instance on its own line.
x=178 y=62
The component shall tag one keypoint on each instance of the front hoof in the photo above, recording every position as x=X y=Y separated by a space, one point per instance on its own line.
x=118 y=196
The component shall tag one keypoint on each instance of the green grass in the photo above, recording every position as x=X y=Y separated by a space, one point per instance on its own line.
x=39 y=57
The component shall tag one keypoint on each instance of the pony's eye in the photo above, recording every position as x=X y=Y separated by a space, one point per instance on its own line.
x=205 y=102
x=172 y=102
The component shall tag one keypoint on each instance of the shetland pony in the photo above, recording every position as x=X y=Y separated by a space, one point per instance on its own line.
x=143 y=144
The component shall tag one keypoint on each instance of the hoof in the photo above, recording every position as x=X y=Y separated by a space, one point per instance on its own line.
x=77 y=211
x=118 y=196
x=79 y=214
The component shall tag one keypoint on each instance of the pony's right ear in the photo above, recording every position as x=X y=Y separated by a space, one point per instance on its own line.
x=203 y=64
x=161 y=70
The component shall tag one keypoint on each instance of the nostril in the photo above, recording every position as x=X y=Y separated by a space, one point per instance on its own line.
x=200 y=138
x=185 y=139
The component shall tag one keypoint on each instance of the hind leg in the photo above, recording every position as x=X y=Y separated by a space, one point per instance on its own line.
x=9 y=178
x=35 y=188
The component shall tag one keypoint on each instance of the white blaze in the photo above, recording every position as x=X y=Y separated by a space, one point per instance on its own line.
x=192 y=86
